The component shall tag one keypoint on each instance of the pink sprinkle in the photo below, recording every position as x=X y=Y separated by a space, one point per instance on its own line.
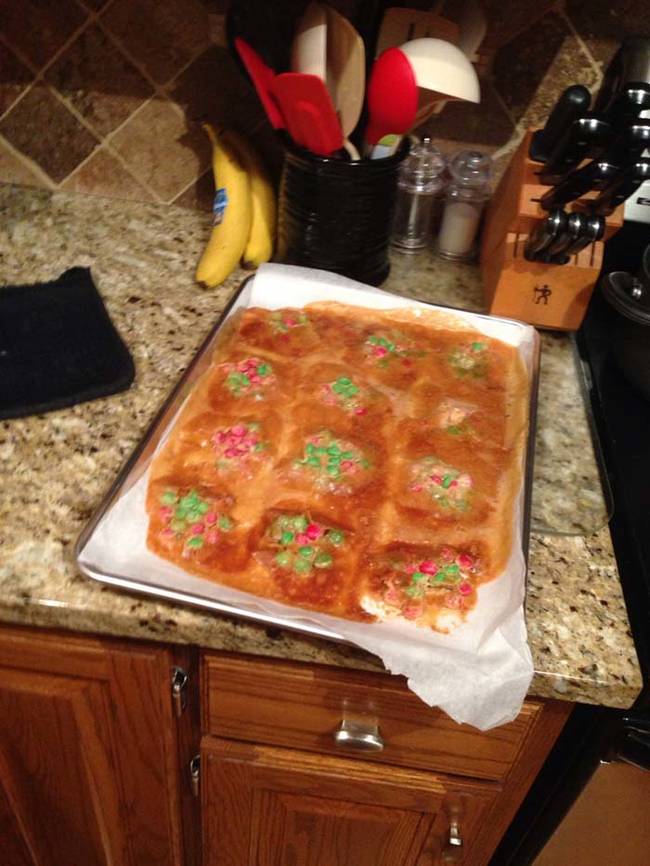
x=197 y=529
x=454 y=483
x=314 y=440
x=167 y=532
x=242 y=366
x=212 y=536
x=255 y=378
x=411 y=567
x=238 y=430
x=447 y=554
x=465 y=560
x=290 y=323
x=380 y=351
x=416 y=488
x=231 y=452
x=249 y=441
x=412 y=611
x=211 y=517
x=313 y=531
x=302 y=538
x=437 y=479
x=360 y=410
x=428 y=566
x=165 y=512
x=347 y=464
x=222 y=436
x=465 y=588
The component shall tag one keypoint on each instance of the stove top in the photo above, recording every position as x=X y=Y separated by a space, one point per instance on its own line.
x=622 y=420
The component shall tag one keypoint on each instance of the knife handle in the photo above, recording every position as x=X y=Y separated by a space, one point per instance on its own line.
x=571 y=105
x=577 y=183
x=544 y=233
x=621 y=187
x=586 y=136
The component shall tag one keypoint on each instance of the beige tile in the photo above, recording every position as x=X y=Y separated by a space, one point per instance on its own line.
x=162 y=35
x=99 y=81
x=104 y=175
x=162 y=148
x=38 y=28
x=533 y=70
x=15 y=170
x=200 y=195
x=42 y=128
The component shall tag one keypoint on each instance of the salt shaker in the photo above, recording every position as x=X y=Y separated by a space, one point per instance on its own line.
x=420 y=190
x=471 y=172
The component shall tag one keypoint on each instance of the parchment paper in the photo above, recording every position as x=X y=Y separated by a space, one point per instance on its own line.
x=480 y=673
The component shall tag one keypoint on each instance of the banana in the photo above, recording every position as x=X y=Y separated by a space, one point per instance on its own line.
x=229 y=237
x=262 y=235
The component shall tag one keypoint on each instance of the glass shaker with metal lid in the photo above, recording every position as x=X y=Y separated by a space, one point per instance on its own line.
x=471 y=173
x=420 y=189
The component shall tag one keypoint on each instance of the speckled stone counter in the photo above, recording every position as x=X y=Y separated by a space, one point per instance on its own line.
x=56 y=467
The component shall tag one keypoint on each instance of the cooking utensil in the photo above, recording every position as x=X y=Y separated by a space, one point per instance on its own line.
x=629 y=144
x=586 y=136
x=629 y=67
x=594 y=175
x=627 y=105
x=346 y=69
x=621 y=187
x=307 y=108
x=401 y=25
x=544 y=233
x=442 y=67
x=572 y=104
x=309 y=46
x=574 y=229
x=262 y=77
x=593 y=229
x=392 y=96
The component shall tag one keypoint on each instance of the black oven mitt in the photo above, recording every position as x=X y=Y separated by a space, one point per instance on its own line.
x=58 y=346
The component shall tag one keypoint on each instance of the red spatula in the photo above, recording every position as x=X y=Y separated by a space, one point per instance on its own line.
x=262 y=77
x=307 y=108
x=392 y=96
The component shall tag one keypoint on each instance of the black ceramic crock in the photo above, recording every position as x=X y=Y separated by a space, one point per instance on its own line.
x=337 y=214
x=630 y=303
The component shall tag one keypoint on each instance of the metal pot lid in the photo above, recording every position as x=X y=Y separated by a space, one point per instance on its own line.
x=628 y=295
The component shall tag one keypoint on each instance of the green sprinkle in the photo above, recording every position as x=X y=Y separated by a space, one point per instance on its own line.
x=452 y=569
x=417 y=576
x=310 y=449
x=300 y=523
x=446 y=481
x=313 y=461
x=287 y=537
x=454 y=430
x=373 y=340
x=413 y=591
x=263 y=370
x=302 y=566
x=365 y=464
x=478 y=347
x=323 y=560
x=169 y=498
x=196 y=541
x=306 y=551
x=203 y=507
x=261 y=446
x=333 y=470
x=439 y=577
x=283 y=559
x=224 y=523
x=334 y=450
x=336 y=537
x=284 y=521
x=343 y=380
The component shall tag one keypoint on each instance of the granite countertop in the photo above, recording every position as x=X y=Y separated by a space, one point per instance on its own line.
x=56 y=467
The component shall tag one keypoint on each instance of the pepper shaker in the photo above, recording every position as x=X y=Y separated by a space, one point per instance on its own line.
x=420 y=188
x=471 y=173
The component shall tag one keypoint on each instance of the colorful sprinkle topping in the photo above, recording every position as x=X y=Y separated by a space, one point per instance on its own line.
x=384 y=349
x=304 y=545
x=452 y=418
x=238 y=445
x=282 y=321
x=192 y=519
x=409 y=586
x=342 y=392
x=448 y=487
x=332 y=461
x=470 y=360
x=249 y=377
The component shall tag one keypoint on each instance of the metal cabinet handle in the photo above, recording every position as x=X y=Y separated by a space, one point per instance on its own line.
x=355 y=735
x=453 y=852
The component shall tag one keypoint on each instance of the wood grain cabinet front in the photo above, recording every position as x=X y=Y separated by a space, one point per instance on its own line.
x=89 y=763
x=266 y=806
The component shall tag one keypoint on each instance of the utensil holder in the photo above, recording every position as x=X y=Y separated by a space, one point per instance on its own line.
x=545 y=295
x=337 y=215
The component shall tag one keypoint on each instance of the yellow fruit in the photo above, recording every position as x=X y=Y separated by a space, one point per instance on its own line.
x=264 y=218
x=229 y=237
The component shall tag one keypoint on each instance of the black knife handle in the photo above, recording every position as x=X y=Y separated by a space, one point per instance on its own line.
x=586 y=136
x=593 y=230
x=577 y=183
x=571 y=105
x=628 y=105
x=621 y=187
x=544 y=233
x=574 y=228
x=629 y=145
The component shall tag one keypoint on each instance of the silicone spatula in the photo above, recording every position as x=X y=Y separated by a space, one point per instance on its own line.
x=262 y=77
x=392 y=96
x=307 y=108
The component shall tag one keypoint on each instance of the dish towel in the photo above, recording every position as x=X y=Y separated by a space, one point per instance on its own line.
x=58 y=346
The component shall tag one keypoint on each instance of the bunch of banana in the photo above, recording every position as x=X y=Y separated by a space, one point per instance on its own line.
x=245 y=212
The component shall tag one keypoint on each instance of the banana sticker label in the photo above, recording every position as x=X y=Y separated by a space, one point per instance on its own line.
x=219 y=206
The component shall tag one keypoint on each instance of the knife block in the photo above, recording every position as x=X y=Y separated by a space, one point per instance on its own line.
x=545 y=295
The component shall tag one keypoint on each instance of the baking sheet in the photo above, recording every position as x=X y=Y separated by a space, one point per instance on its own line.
x=478 y=674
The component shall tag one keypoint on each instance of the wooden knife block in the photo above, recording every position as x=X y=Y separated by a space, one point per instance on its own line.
x=546 y=295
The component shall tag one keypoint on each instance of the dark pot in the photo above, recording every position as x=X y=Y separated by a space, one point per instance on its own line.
x=337 y=215
x=630 y=302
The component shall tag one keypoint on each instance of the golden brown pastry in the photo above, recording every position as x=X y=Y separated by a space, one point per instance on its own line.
x=357 y=462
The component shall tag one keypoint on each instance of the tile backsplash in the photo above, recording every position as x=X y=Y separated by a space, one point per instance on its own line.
x=104 y=97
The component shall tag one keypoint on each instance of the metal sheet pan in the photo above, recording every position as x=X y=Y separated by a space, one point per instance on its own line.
x=139 y=461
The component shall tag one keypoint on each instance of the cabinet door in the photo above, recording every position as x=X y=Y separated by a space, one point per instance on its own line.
x=88 y=763
x=272 y=807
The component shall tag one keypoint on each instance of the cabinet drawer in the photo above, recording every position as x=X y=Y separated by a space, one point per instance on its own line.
x=303 y=707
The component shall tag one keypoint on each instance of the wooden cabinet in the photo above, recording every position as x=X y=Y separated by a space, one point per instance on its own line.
x=89 y=753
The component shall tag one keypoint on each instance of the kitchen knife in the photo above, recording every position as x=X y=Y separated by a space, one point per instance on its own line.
x=630 y=67
x=629 y=145
x=594 y=175
x=621 y=187
x=628 y=105
x=593 y=229
x=544 y=233
x=571 y=105
x=556 y=251
x=586 y=136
